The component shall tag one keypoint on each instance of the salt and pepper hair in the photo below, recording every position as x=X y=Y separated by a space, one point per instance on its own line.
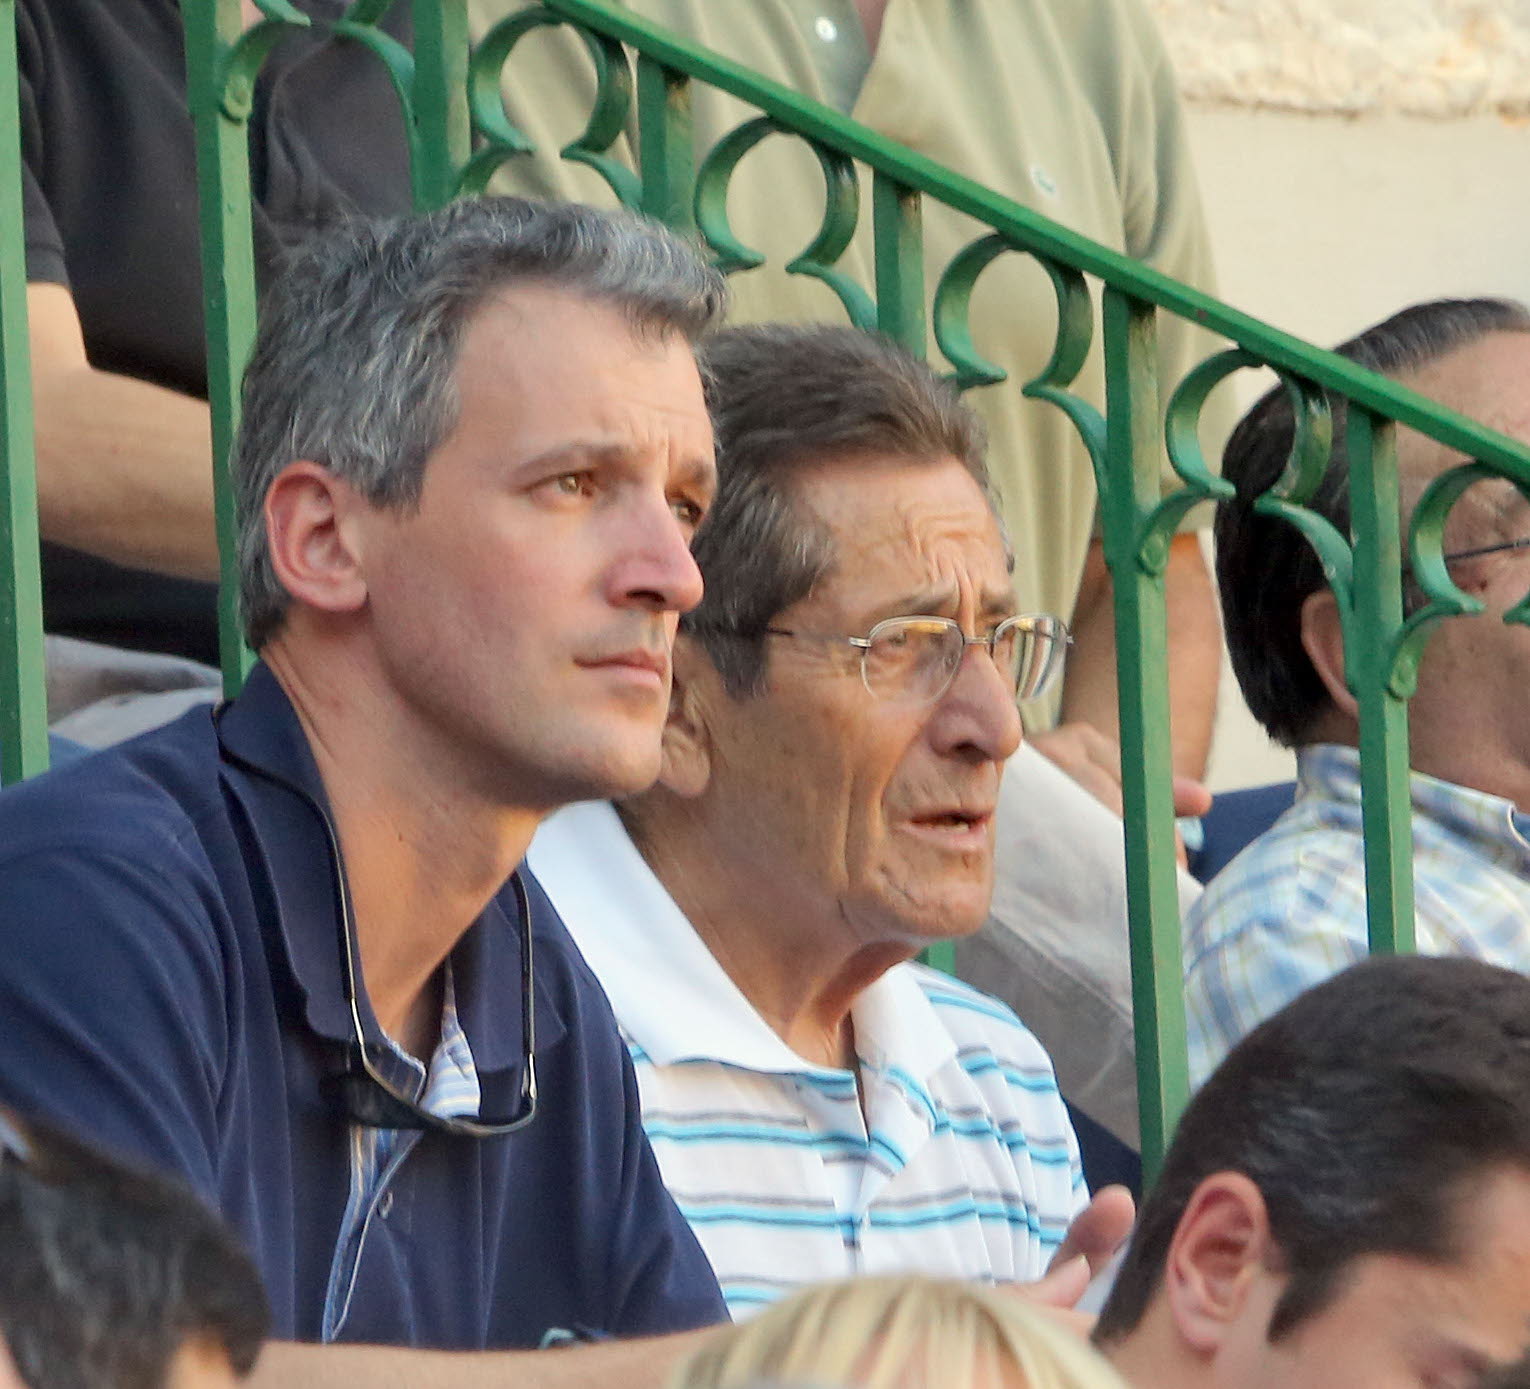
x=356 y=354
x=786 y=397
x=897 y=1333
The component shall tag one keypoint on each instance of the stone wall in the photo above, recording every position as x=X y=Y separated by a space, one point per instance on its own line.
x=1432 y=58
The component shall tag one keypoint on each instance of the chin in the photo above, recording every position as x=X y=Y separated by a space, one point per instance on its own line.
x=616 y=777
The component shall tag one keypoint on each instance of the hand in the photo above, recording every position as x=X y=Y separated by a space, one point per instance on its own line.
x=1086 y=755
x=1097 y=1232
x=1094 y=761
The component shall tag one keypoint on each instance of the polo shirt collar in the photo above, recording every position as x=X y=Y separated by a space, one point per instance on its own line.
x=1484 y=822
x=287 y=836
x=670 y=995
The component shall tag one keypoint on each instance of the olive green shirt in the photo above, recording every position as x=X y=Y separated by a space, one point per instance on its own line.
x=1067 y=106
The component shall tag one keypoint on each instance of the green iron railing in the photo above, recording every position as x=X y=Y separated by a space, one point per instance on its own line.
x=460 y=135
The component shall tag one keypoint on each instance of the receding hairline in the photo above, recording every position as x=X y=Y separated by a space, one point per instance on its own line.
x=1446 y=380
x=646 y=323
x=804 y=466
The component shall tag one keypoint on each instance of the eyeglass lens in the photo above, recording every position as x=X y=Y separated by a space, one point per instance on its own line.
x=919 y=656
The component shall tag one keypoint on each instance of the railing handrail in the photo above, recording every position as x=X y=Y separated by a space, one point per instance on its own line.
x=1273 y=345
x=1125 y=440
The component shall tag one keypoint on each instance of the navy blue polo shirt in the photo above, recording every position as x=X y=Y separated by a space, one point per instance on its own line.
x=171 y=987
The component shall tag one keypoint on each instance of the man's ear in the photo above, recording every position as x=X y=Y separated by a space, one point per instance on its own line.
x=1221 y=1248
x=1323 y=641
x=685 y=765
x=312 y=546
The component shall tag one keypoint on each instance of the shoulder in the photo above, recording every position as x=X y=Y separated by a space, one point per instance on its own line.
x=988 y=1034
x=142 y=799
x=122 y=845
x=1308 y=863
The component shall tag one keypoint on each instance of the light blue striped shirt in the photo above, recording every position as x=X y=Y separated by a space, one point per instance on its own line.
x=1290 y=910
x=953 y=1155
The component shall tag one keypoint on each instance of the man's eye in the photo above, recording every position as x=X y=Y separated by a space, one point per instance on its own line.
x=572 y=484
x=687 y=512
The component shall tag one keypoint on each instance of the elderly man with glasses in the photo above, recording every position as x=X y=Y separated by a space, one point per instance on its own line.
x=844 y=703
x=1290 y=910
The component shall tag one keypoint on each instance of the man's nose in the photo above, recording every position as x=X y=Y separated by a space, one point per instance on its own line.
x=977 y=715
x=658 y=571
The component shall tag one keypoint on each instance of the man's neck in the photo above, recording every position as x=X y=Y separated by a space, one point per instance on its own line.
x=1153 y=1356
x=423 y=854
x=785 y=950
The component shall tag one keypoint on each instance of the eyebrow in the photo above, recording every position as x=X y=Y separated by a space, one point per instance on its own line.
x=934 y=601
x=694 y=470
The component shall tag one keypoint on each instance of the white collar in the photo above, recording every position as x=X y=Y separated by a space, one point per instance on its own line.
x=668 y=992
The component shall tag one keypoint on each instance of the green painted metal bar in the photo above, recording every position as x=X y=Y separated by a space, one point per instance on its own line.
x=440 y=126
x=898 y=256
x=666 y=154
x=23 y=699
x=222 y=62
x=1129 y=495
x=898 y=263
x=1370 y=645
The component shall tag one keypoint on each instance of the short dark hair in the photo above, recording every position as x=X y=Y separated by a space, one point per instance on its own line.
x=783 y=398
x=1266 y=570
x=355 y=359
x=106 y=1272
x=1365 y=1111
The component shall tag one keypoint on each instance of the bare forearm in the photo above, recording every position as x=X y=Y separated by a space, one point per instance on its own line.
x=1194 y=647
x=123 y=467
x=642 y=1364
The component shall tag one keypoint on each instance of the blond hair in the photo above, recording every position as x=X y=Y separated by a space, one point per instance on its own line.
x=898 y=1333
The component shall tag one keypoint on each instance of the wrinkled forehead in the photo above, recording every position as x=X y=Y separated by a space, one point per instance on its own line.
x=923 y=523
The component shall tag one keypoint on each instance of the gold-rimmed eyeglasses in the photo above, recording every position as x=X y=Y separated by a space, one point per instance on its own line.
x=918 y=657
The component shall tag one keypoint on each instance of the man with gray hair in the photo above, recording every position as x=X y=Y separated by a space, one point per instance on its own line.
x=282 y=950
x=844 y=705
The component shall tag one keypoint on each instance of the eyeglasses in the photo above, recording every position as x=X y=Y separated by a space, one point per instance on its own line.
x=1522 y=544
x=918 y=657
x=367 y=1095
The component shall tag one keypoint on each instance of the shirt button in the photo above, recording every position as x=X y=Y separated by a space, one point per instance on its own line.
x=385 y=1206
x=826 y=28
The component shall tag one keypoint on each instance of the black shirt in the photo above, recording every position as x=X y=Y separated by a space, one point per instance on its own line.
x=111 y=212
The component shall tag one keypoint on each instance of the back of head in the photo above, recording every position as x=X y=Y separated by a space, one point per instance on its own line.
x=898 y=1333
x=354 y=361
x=785 y=397
x=106 y=1272
x=1265 y=569
x=1362 y=1112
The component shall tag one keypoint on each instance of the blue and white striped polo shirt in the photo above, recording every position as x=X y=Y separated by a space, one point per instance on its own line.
x=958 y=1160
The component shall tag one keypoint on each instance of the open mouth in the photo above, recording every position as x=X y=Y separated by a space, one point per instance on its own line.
x=953 y=821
